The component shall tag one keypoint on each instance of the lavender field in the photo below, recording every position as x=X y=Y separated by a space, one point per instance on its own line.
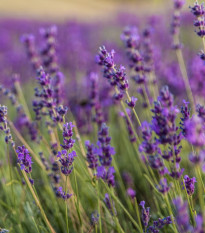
x=102 y=123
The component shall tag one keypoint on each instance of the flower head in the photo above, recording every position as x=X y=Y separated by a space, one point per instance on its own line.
x=106 y=174
x=94 y=218
x=132 y=102
x=105 y=151
x=195 y=131
x=131 y=193
x=91 y=155
x=145 y=213
x=60 y=193
x=68 y=142
x=66 y=159
x=163 y=187
x=189 y=184
x=24 y=159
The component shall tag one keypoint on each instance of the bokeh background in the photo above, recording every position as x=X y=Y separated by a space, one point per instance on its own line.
x=86 y=10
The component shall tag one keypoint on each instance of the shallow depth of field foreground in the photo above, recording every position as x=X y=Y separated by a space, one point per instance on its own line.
x=102 y=124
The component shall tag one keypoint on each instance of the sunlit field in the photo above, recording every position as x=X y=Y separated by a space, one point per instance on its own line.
x=102 y=117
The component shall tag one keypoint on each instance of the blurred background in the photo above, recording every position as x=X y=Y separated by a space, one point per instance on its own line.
x=79 y=9
x=83 y=26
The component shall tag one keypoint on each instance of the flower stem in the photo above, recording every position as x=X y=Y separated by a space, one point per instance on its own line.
x=66 y=206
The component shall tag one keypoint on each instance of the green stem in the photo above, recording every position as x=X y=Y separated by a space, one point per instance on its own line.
x=11 y=177
x=77 y=194
x=66 y=206
x=38 y=202
x=99 y=212
x=22 y=99
x=183 y=70
x=122 y=206
x=138 y=215
x=136 y=116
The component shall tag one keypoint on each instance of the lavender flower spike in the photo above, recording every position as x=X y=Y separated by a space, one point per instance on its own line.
x=145 y=213
x=62 y=194
x=91 y=155
x=195 y=131
x=106 y=174
x=105 y=151
x=163 y=186
x=66 y=159
x=189 y=184
x=68 y=142
x=132 y=102
x=24 y=159
x=4 y=125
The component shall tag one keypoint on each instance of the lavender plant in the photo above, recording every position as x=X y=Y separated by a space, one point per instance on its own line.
x=91 y=151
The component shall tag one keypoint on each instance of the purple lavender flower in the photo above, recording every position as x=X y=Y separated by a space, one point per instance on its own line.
x=131 y=37
x=94 y=218
x=148 y=51
x=164 y=122
x=105 y=151
x=198 y=159
x=91 y=155
x=48 y=52
x=185 y=111
x=44 y=161
x=159 y=224
x=177 y=172
x=44 y=95
x=178 y=4
x=201 y=112
x=110 y=204
x=132 y=102
x=93 y=79
x=145 y=213
x=3 y=114
x=149 y=146
x=4 y=125
x=106 y=174
x=66 y=159
x=195 y=131
x=189 y=184
x=199 y=224
x=116 y=76
x=107 y=60
x=197 y=10
x=127 y=178
x=166 y=98
x=24 y=159
x=60 y=193
x=182 y=216
x=131 y=40
x=175 y=25
x=29 y=42
x=68 y=142
x=120 y=77
x=131 y=193
x=163 y=187
x=94 y=99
